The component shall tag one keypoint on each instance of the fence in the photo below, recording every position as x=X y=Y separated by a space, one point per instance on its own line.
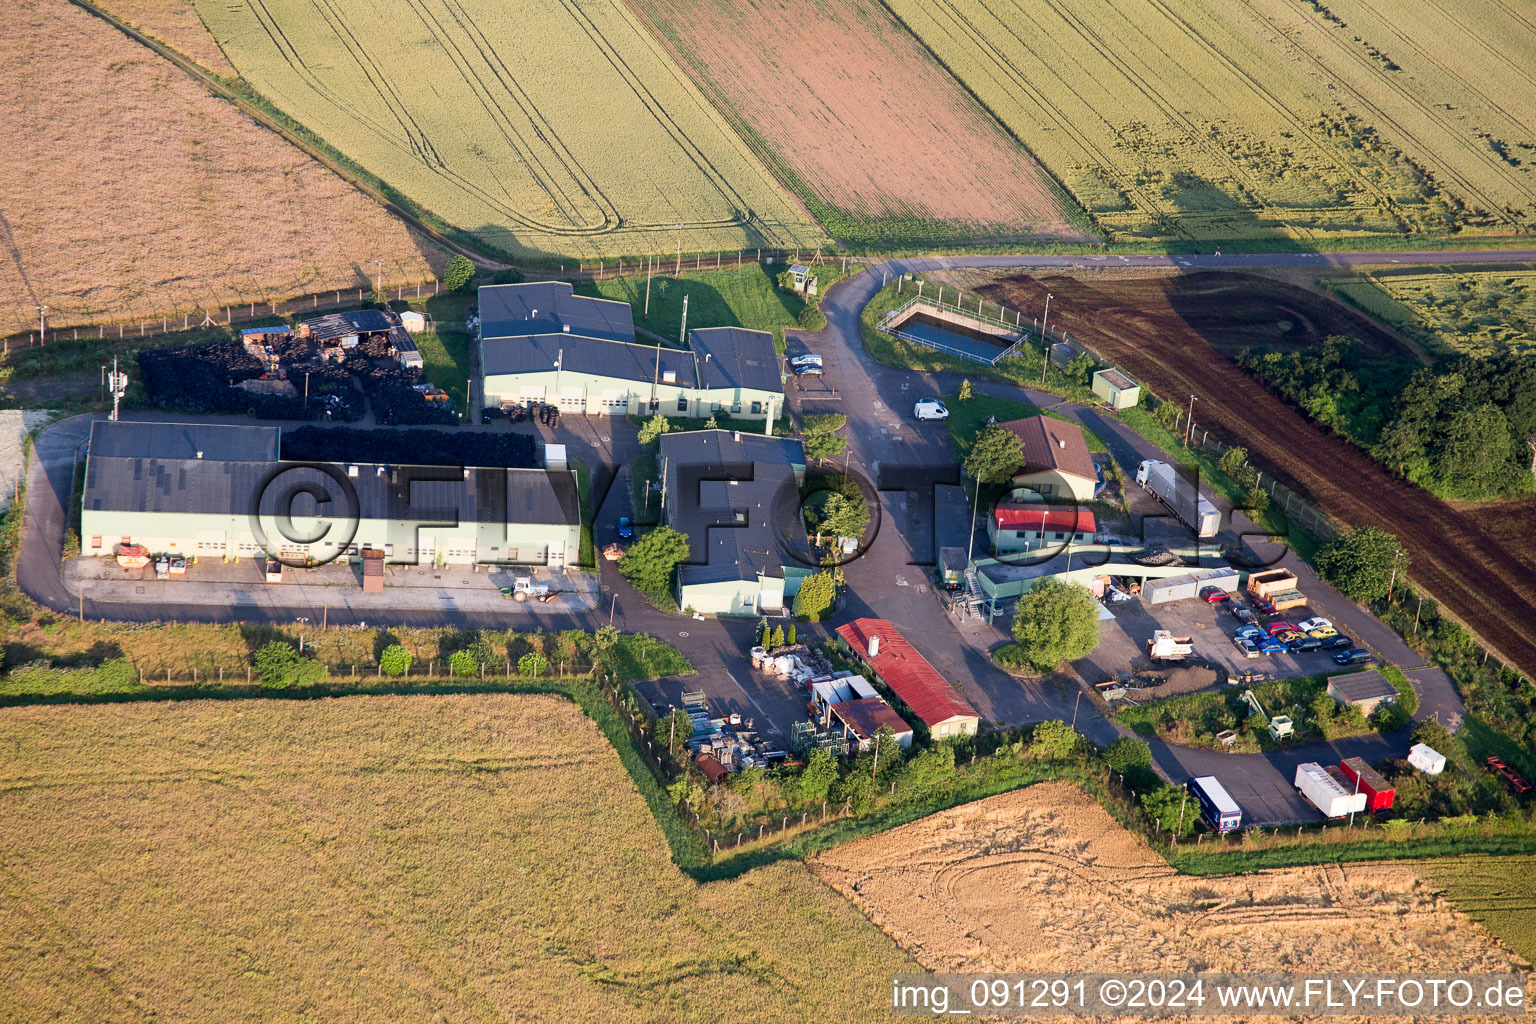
x=224 y=316
x=954 y=350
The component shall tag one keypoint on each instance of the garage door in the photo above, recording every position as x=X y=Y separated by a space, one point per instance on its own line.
x=210 y=542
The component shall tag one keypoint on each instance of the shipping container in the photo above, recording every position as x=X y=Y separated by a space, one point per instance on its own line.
x=1426 y=759
x=1188 y=586
x=1217 y=807
x=1379 y=793
x=1273 y=582
x=1181 y=497
x=1325 y=792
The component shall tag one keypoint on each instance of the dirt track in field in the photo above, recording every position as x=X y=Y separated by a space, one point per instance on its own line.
x=1170 y=332
x=1043 y=880
x=858 y=110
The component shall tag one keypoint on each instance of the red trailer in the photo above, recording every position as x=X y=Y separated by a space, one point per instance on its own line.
x=1378 y=791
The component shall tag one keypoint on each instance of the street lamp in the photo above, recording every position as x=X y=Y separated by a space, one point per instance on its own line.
x=42 y=325
x=1189 y=425
x=1393 y=582
x=302 y=621
x=1045 y=340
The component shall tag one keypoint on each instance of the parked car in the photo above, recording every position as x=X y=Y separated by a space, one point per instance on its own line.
x=1242 y=614
x=805 y=359
x=930 y=409
x=1282 y=627
x=808 y=370
x=1288 y=637
x=1246 y=647
x=1214 y=595
x=1264 y=606
x=1316 y=622
x=1337 y=641
x=1251 y=632
x=1322 y=632
x=1269 y=645
x=626 y=528
x=1353 y=656
x=1305 y=643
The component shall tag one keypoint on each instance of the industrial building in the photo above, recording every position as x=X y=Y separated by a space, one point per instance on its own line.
x=1118 y=390
x=850 y=708
x=542 y=343
x=216 y=491
x=1057 y=465
x=907 y=674
x=347 y=330
x=737 y=497
x=1029 y=527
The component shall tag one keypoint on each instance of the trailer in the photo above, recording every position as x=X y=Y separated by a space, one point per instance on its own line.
x=1217 y=807
x=1181 y=497
x=1189 y=586
x=1271 y=583
x=1379 y=793
x=1164 y=646
x=1426 y=759
x=1325 y=792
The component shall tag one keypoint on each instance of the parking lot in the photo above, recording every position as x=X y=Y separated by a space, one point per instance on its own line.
x=1122 y=646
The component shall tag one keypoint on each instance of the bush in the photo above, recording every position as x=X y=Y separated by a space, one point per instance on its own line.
x=463 y=663
x=1172 y=809
x=1390 y=717
x=458 y=274
x=652 y=559
x=394 y=660
x=1127 y=754
x=280 y=667
x=532 y=664
x=117 y=674
x=816 y=597
x=1054 y=741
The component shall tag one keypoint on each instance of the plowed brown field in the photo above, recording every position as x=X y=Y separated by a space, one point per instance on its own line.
x=864 y=119
x=1043 y=880
x=1170 y=333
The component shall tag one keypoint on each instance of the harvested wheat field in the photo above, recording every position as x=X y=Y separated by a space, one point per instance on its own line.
x=176 y=24
x=875 y=135
x=456 y=858
x=133 y=193
x=1043 y=879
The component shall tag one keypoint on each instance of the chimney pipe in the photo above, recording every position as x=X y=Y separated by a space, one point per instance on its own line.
x=874 y=647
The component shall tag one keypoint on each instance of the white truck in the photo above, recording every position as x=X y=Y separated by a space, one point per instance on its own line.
x=1181 y=497
x=1325 y=792
x=1164 y=646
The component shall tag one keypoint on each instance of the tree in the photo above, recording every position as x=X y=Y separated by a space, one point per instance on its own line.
x=1232 y=461
x=1475 y=449
x=843 y=516
x=1056 y=621
x=775 y=637
x=927 y=771
x=814 y=423
x=1172 y=808
x=394 y=660
x=276 y=663
x=604 y=639
x=817 y=779
x=789 y=634
x=675 y=729
x=652 y=429
x=532 y=664
x=463 y=663
x=1054 y=740
x=458 y=273
x=816 y=596
x=964 y=394
x=653 y=558
x=825 y=447
x=995 y=454
x=1359 y=562
x=1255 y=501
x=1127 y=754
x=1433 y=735
x=1080 y=369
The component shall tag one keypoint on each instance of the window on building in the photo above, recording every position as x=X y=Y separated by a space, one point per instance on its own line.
x=95 y=542
x=757 y=408
x=682 y=403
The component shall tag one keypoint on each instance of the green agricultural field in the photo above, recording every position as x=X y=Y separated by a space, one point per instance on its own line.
x=546 y=129
x=747 y=296
x=1270 y=118
x=1476 y=313
x=1498 y=891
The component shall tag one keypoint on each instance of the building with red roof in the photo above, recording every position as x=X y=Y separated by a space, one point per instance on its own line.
x=907 y=674
x=1029 y=526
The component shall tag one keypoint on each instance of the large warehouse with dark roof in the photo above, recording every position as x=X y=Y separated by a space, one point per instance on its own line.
x=540 y=342
x=215 y=490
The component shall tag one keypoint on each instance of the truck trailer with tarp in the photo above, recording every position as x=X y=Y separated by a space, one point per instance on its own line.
x=1217 y=807
x=1379 y=793
x=1325 y=792
x=1181 y=497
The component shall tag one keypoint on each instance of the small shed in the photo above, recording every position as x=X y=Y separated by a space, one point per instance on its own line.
x=952 y=566
x=413 y=321
x=373 y=571
x=802 y=280
x=1426 y=759
x=1366 y=690
x=1118 y=390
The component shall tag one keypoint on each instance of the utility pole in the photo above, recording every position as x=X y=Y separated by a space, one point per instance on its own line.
x=118 y=382
x=648 y=261
x=971 y=547
x=1075 y=706
x=42 y=326
x=378 y=284
x=613 y=606
x=559 y=365
x=1393 y=582
x=306 y=393
x=1182 y=800
x=679 y=268
x=1189 y=426
x=1045 y=338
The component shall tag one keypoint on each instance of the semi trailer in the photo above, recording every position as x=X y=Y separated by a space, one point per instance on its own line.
x=1217 y=807
x=1325 y=792
x=1181 y=497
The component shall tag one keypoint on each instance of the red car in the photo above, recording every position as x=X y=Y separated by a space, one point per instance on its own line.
x=1214 y=595
x=1282 y=627
x=1519 y=785
x=1265 y=606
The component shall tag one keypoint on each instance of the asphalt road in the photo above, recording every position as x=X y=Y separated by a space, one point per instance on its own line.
x=890 y=580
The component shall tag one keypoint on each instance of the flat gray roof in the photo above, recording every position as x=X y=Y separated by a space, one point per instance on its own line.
x=551 y=307
x=1367 y=684
x=624 y=361
x=734 y=357
x=216 y=441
